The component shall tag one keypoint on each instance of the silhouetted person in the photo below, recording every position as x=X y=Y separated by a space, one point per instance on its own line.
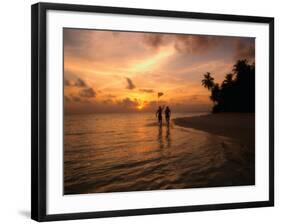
x=159 y=114
x=167 y=115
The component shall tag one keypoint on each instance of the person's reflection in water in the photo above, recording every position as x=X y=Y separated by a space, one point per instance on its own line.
x=168 y=137
x=160 y=137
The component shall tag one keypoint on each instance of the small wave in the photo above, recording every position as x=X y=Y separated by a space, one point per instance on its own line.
x=79 y=133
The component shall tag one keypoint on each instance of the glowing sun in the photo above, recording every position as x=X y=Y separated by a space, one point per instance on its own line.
x=139 y=107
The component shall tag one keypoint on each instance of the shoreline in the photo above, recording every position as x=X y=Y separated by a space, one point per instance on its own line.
x=239 y=126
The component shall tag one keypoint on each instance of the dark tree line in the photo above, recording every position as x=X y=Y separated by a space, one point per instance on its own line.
x=237 y=91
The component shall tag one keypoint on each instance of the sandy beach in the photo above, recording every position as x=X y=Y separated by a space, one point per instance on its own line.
x=239 y=126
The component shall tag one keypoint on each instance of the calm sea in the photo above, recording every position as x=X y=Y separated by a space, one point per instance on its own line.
x=130 y=152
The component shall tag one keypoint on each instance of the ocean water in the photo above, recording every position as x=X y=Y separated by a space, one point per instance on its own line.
x=130 y=152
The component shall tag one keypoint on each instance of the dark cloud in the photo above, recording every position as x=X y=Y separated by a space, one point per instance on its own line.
x=70 y=74
x=66 y=82
x=130 y=84
x=186 y=43
x=80 y=83
x=75 y=98
x=75 y=39
x=67 y=99
x=196 y=44
x=146 y=90
x=110 y=96
x=154 y=40
x=87 y=92
x=245 y=49
x=83 y=105
x=128 y=103
x=108 y=101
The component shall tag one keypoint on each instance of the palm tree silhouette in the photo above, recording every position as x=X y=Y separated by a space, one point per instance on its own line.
x=215 y=94
x=240 y=66
x=208 y=81
x=228 y=80
x=237 y=91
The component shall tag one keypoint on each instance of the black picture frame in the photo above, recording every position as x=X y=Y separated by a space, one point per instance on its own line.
x=38 y=108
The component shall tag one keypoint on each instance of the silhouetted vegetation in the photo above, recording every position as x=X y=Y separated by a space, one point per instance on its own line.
x=237 y=91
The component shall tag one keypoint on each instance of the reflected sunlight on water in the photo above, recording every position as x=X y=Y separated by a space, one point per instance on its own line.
x=130 y=152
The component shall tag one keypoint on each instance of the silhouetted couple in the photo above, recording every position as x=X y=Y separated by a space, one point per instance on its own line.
x=167 y=115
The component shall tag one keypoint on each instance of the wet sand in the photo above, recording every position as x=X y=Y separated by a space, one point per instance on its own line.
x=239 y=126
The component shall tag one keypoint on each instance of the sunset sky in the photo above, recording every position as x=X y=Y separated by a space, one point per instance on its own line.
x=106 y=71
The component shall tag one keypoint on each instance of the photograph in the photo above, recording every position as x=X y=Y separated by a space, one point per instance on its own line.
x=150 y=111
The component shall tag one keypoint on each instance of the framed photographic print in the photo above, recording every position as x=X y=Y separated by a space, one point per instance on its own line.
x=139 y=111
